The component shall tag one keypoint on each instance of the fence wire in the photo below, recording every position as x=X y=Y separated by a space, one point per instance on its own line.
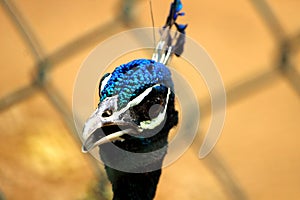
x=287 y=46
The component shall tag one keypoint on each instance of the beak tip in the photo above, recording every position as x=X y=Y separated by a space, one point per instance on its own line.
x=83 y=149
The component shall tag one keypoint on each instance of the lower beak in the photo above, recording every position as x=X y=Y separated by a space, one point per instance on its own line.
x=98 y=137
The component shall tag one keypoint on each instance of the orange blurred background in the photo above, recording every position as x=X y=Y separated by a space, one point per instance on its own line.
x=255 y=45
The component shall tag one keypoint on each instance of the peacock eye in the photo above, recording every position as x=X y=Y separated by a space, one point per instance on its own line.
x=107 y=113
x=158 y=100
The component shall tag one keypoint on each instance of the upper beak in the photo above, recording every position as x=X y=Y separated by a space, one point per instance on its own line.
x=93 y=134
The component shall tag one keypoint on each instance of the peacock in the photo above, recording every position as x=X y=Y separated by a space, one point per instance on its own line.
x=134 y=116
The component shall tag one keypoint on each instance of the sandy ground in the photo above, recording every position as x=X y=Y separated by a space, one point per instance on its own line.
x=257 y=156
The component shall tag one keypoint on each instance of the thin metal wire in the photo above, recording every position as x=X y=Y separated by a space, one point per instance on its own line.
x=153 y=24
x=86 y=40
x=221 y=171
x=59 y=104
x=17 y=96
x=24 y=29
x=224 y=175
x=295 y=42
x=286 y=45
x=251 y=84
x=243 y=88
x=287 y=66
x=1 y=196
x=293 y=77
x=270 y=19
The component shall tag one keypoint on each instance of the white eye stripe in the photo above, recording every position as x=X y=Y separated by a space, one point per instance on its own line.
x=141 y=97
x=104 y=82
x=136 y=100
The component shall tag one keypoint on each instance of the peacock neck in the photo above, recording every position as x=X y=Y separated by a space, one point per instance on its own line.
x=128 y=186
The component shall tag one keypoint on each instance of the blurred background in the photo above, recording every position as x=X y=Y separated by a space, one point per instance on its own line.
x=255 y=45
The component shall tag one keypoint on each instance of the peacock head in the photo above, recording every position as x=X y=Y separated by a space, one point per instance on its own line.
x=136 y=104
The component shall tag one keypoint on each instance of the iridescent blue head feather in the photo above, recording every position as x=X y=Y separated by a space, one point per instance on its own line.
x=130 y=79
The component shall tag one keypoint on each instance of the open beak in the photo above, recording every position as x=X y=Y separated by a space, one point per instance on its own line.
x=100 y=130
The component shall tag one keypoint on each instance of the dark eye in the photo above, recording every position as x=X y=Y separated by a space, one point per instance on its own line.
x=107 y=113
x=157 y=100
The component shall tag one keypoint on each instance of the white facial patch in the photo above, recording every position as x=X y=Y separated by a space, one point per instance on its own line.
x=151 y=124
x=104 y=82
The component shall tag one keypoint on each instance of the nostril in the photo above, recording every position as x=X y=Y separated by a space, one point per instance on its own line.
x=107 y=113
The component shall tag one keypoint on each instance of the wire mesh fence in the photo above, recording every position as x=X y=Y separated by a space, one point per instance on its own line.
x=41 y=82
